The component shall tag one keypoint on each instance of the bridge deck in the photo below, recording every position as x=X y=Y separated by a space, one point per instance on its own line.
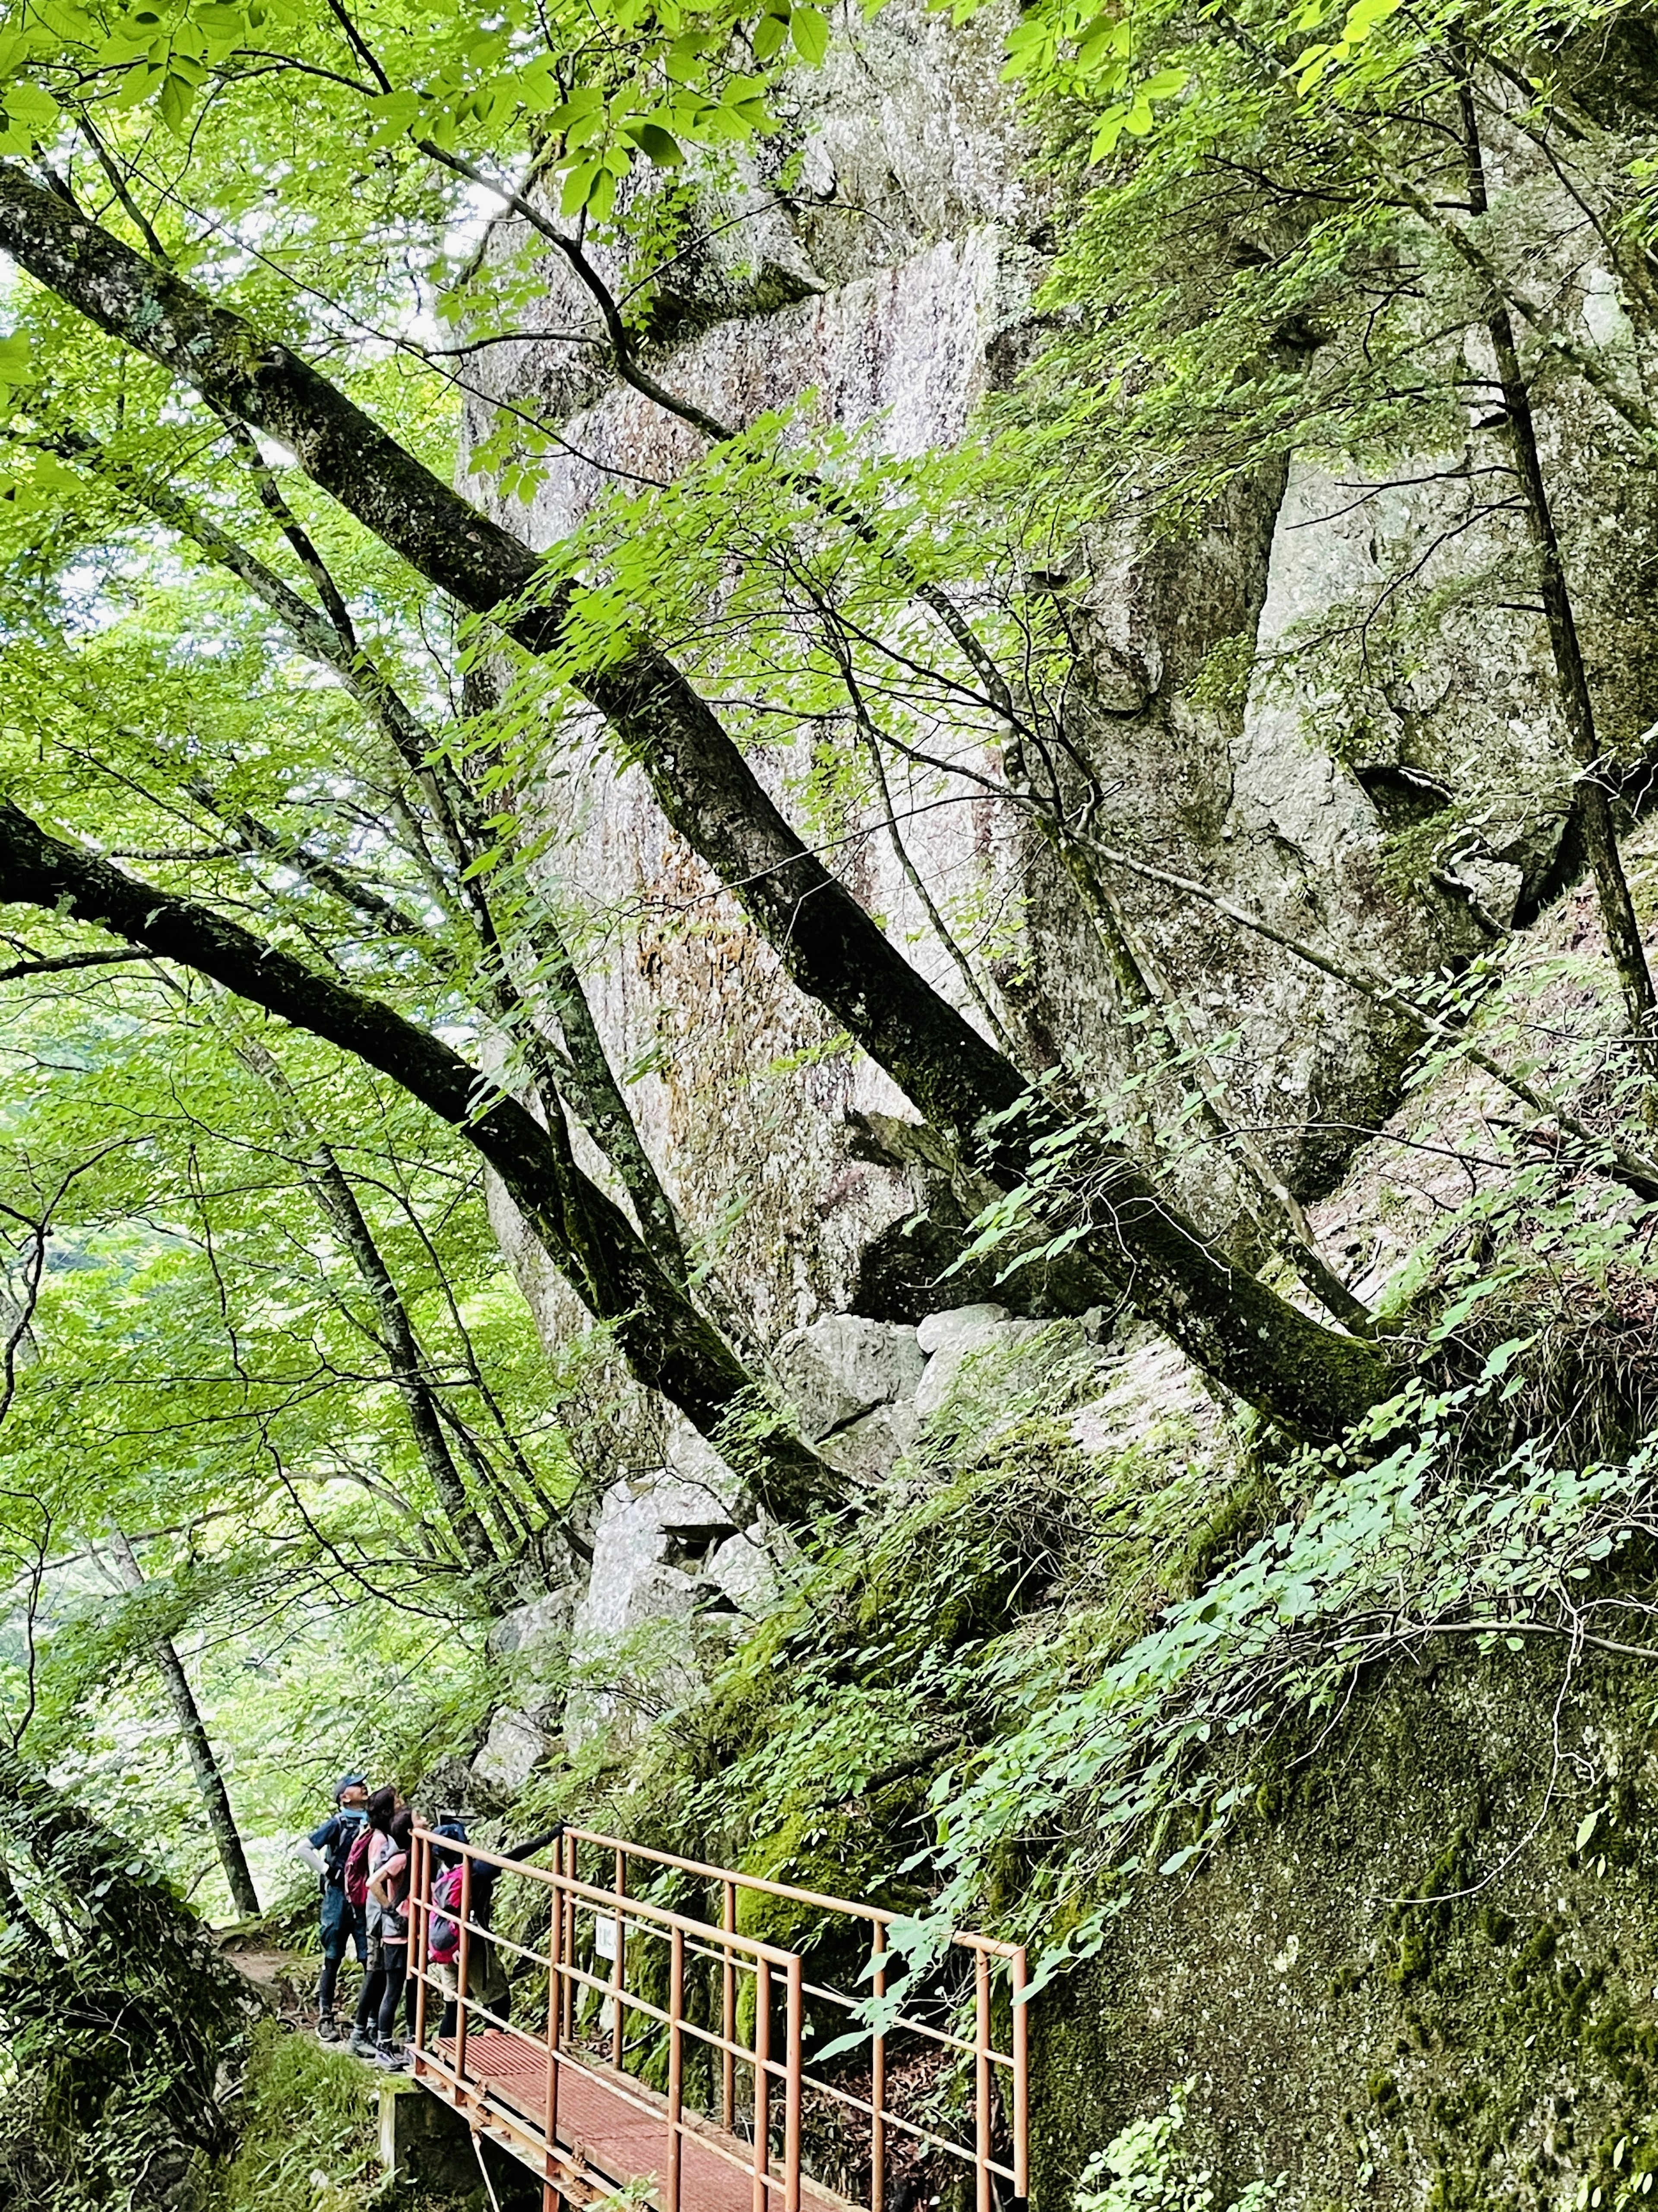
x=728 y=2017
x=612 y=2131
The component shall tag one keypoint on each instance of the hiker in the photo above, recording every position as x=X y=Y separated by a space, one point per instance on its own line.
x=486 y=1979
x=384 y=1869
x=327 y=1849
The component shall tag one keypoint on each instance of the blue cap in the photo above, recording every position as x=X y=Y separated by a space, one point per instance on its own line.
x=349 y=1782
x=454 y=1831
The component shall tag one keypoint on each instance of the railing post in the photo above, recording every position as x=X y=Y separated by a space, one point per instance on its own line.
x=982 y=2077
x=555 y=2008
x=877 y=2085
x=421 y=1890
x=462 y=1960
x=728 y=2019
x=567 y=1853
x=676 y=2066
x=762 y=2082
x=619 y=2043
x=792 y=2094
x=1021 y=2081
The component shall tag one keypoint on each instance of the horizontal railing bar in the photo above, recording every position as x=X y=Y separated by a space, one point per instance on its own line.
x=872 y=1912
x=965 y=2152
x=749 y=1946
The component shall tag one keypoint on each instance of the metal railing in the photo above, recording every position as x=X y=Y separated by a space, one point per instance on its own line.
x=626 y=1984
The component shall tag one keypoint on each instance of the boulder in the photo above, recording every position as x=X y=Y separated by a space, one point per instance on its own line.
x=867 y=1449
x=977 y=1332
x=842 y=1367
x=957 y=1324
x=515 y=1745
x=521 y=1633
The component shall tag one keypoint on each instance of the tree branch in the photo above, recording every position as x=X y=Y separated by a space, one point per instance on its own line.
x=670 y=1346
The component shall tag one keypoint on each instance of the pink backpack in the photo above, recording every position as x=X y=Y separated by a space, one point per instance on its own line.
x=443 y=1941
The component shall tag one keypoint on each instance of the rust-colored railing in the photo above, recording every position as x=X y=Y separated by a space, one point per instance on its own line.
x=623 y=1981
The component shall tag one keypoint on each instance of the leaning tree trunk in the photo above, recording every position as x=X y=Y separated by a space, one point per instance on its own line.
x=670 y=1346
x=1234 y=1326
x=203 y=1760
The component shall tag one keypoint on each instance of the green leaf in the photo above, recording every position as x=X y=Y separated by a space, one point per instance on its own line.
x=578 y=185
x=662 y=147
x=810 y=30
x=770 y=35
x=178 y=97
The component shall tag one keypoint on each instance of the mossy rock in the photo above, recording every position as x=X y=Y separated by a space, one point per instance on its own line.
x=1410 y=1986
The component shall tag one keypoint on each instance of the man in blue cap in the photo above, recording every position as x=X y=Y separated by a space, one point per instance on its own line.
x=327 y=1849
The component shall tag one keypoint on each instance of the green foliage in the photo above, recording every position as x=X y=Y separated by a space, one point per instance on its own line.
x=1145 y=2168
x=308 y=2137
x=116 y=2014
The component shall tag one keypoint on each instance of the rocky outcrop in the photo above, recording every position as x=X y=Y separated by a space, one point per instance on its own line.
x=1399 y=795
x=681 y=1562
x=1423 y=1971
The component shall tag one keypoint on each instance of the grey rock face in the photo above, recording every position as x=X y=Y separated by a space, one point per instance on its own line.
x=844 y=1366
x=675 y=1560
x=940 y=1332
x=980 y=1333
x=866 y=1449
x=528 y=1628
x=515 y=1745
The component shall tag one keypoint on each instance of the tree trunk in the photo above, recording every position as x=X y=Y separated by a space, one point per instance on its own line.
x=588 y=1081
x=227 y=1836
x=1593 y=804
x=1250 y=1340
x=669 y=1345
x=338 y=1203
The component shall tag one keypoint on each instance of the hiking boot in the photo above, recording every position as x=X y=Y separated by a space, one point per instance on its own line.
x=393 y=2057
x=328 y=2028
x=363 y=2044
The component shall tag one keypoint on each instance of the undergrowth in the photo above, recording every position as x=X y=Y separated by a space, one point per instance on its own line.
x=1027 y=1684
x=308 y=2137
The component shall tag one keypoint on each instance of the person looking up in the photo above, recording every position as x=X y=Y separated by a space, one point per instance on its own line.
x=486 y=1980
x=388 y=1890
x=381 y=1810
x=326 y=1849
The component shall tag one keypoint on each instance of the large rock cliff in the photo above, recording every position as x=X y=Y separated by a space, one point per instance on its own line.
x=1449 y=2024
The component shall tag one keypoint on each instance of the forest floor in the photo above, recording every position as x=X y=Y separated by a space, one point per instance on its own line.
x=284 y=1978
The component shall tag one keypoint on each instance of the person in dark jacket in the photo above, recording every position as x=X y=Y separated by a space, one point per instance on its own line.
x=326 y=1849
x=486 y=1980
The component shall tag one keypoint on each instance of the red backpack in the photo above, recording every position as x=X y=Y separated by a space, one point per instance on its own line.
x=443 y=1941
x=356 y=1866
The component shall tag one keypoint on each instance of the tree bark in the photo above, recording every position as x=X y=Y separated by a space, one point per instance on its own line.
x=1242 y=1334
x=205 y=1764
x=338 y=1203
x=1594 y=808
x=670 y=1346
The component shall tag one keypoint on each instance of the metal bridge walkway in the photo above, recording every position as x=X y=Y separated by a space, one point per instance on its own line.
x=764 y=2093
